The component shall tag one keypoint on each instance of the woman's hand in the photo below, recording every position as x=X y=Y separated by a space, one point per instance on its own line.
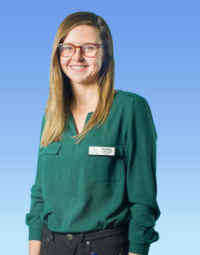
x=132 y=253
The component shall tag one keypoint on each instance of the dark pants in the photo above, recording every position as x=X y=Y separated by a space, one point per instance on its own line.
x=112 y=241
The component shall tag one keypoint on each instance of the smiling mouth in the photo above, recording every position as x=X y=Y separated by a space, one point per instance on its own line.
x=78 y=67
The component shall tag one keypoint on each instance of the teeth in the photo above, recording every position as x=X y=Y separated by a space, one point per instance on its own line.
x=78 y=67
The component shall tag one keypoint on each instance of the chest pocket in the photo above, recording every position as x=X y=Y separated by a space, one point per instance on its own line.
x=105 y=168
x=50 y=161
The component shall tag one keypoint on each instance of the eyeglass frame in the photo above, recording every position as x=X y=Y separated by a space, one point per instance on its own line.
x=98 y=45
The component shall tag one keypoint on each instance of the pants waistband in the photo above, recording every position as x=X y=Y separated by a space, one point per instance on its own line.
x=90 y=235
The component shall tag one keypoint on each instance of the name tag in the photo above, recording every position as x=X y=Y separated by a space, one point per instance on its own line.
x=98 y=150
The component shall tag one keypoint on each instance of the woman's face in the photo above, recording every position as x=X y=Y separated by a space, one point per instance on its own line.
x=78 y=36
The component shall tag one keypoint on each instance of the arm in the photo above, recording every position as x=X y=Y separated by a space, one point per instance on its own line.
x=34 y=247
x=140 y=158
x=33 y=219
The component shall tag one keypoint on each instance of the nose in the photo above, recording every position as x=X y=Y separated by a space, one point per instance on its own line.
x=78 y=55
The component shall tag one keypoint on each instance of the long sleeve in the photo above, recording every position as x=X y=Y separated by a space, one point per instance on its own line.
x=140 y=159
x=33 y=219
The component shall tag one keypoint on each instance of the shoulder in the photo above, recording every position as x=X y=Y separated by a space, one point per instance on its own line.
x=129 y=95
x=131 y=99
x=43 y=122
x=137 y=108
x=43 y=119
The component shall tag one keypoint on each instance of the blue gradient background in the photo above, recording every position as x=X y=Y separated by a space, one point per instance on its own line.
x=160 y=63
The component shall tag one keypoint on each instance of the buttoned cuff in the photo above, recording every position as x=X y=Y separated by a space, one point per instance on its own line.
x=142 y=249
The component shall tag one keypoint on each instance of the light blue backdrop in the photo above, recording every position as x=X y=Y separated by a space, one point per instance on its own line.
x=157 y=55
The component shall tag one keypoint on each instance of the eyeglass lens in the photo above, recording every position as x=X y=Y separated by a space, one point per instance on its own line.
x=67 y=50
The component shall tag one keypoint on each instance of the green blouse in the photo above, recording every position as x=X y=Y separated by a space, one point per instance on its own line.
x=107 y=179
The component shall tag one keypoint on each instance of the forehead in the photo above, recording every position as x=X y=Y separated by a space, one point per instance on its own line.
x=82 y=34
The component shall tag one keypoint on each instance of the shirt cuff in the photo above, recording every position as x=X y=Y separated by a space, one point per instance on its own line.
x=142 y=249
x=35 y=233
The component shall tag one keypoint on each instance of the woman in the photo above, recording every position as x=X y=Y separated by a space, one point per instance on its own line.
x=95 y=188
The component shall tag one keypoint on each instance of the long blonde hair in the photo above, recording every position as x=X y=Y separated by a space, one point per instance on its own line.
x=60 y=94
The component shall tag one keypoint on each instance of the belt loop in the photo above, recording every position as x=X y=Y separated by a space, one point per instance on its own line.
x=83 y=237
x=52 y=235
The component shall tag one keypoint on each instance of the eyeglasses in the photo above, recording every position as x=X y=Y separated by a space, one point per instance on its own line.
x=89 y=50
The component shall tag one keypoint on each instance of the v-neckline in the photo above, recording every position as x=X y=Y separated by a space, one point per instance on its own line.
x=73 y=126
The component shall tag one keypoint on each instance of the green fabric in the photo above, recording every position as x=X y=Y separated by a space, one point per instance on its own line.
x=77 y=192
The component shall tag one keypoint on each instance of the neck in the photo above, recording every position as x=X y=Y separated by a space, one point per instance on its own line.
x=85 y=97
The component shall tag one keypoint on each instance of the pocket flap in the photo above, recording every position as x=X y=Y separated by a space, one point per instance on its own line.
x=52 y=148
